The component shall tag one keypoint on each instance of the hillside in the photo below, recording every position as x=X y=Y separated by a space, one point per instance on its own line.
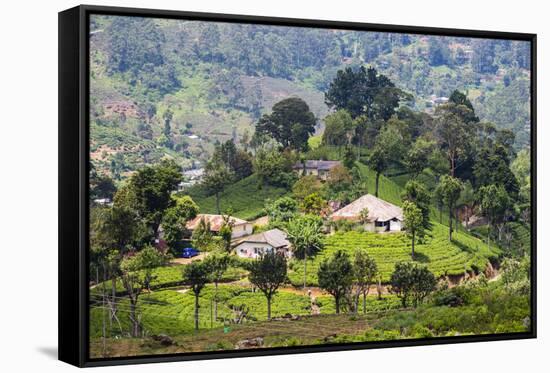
x=216 y=80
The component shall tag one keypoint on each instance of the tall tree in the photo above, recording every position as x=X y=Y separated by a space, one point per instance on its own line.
x=364 y=91
x=217 y=266
x=449 y=189
x=453 y=133
x=268 y=273
x=335 y=276
x=153 y=187
x=418 y=156
x=290 y=123
x=364 y=274
x=412 y=216
x=196 y=274
x=216 y=177
x=137 y=274
x=495 y=203
x=416 y=192
x=305 y=235
x=175 y=218
x=410 y=280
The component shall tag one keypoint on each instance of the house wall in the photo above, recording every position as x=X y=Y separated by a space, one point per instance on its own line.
x=395 y=225
x=242 y=230
x=252 y=249
x=369 y=227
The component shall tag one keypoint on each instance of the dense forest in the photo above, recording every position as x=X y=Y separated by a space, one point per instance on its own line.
x=177 y=88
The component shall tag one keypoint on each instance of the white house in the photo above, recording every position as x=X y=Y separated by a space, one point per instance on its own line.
x=383 y=216
x=257 y=244
x=240 y=227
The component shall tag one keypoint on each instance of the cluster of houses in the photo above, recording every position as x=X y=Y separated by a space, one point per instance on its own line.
x=382 y=217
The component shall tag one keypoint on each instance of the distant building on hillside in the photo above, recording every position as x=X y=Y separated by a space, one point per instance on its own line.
x=258 y=244
x=191 y=177
x=383 y=216
x=318 y=168
x=240 y=227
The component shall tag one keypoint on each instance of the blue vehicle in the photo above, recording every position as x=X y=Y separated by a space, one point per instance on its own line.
x=189 y=252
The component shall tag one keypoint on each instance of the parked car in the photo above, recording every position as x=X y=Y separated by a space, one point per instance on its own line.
x=189 y=252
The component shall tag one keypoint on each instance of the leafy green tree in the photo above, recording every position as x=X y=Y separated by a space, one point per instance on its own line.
x=364 y=275
x=281 y=211
x=226 y=232
x=196 y=274
x=449 y=189
x=467 y=200
x=339 y=129
x=167 y=130
x=216 y=177
x=306 y=185
x=413 y=221
x=273 y=168
x=152 y=187
x=290 y=123
x=454 y=134
x=101 y=186
x=416 y=192
x=268 y=273
x=313 y=204
x=305 y=235
x=495 y=203
x=137 y=275
x=364 y=91
x=418 y=156
x=378 y=162
x=217 y=266
x=175 y=218
x=335 y=276
x=410 y=281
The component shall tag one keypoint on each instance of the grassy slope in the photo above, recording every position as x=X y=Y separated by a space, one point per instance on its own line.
x=244 y=198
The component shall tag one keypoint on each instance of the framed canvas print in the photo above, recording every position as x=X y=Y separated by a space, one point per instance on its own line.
x=235 y=186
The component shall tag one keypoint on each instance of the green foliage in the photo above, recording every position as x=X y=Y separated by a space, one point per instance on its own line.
x=409 y=281
x=273 y=168
x=281 y=211
x=290 y=123
x=268 y=273
x=175 y=218
x=335 y=275
x=413 y=223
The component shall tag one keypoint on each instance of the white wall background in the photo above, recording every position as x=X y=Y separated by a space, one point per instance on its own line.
x=28 y=187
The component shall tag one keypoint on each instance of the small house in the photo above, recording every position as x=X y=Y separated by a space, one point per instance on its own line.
x=382 y=215
x=318 y=168
x=241 y=227
x=258 y=244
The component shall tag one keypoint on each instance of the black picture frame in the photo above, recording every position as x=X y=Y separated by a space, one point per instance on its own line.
x=74 y=166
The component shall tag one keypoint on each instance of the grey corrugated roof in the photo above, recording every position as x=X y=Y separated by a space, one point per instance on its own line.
x=274 y=237
x=317 y=164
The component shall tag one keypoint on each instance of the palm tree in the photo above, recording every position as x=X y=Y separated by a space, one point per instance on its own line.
x=304 y=233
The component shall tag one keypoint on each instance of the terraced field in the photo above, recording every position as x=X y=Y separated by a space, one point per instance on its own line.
x=464 y=253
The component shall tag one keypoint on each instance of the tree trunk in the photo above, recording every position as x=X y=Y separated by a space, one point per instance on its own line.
x=216 y=301
x=113 y=297
x=337 y=304
x=218 y=202
x=412 y=244
x=133 y=318
x=305 y=269
x=364 y=302
x=269 y=308
x=450 y=223
x=196 y=312
x=377 y=181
